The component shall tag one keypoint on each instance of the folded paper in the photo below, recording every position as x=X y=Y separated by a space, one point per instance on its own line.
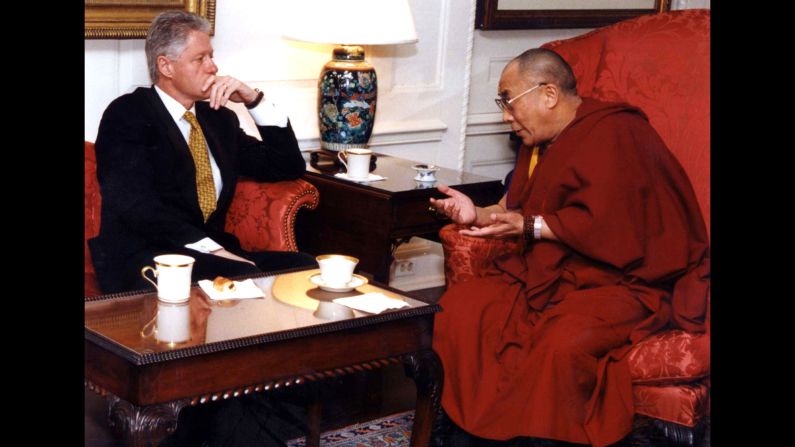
x=243 y=290
x=374 y=302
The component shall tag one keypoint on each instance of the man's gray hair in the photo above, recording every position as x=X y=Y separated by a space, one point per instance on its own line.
x=168 y=35
x=549 y=67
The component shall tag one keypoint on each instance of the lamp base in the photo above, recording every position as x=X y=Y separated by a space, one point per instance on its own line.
x=347 y=95
x=339 y=147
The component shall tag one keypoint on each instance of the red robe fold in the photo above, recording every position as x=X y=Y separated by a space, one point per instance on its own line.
x=537 y=348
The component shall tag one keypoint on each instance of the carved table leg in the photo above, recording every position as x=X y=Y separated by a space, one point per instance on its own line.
x=426 y=370
x=143 y=426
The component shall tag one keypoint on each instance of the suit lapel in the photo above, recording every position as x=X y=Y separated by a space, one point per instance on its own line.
x=185 y=169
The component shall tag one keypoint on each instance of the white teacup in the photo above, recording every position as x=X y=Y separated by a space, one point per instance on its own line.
x=336 y=270
x=358 y=165
x=173 y=277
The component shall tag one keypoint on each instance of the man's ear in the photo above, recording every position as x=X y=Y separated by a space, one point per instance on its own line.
x=164 y=67
x=551 y=94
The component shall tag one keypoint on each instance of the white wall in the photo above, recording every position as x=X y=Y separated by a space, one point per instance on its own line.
x=423 y=87
x=487 y=146
x=420 y=85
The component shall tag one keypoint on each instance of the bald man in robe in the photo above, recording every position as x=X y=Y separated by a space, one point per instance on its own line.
x=615 y=248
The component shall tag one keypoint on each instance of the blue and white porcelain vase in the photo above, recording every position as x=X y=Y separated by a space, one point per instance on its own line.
x=347 y=94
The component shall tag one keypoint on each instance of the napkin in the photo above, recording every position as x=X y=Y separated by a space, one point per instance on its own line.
x=370 y=177
x=374 y=302
x=243 y=289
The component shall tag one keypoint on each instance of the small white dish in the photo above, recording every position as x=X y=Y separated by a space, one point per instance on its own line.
x=356 y=281
x=425 y=173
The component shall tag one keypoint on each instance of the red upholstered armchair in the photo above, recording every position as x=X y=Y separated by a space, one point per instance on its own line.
x=661 y=64
x=262 y=215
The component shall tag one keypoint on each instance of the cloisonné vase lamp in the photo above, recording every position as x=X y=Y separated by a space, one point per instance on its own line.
x=347 y=88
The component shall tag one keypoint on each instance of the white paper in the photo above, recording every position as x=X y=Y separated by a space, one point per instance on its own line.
x=243 y=290
x=370 y=177
x=374 y=302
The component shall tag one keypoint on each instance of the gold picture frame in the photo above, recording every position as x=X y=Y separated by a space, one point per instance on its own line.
x=130 y=19
x=545 y=14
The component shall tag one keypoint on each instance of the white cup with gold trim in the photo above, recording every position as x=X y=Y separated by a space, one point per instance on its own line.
x=173 y=273
x=358 y=162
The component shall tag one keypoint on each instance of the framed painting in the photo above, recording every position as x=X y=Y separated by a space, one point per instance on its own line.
x=130 y=19
x=537 y=14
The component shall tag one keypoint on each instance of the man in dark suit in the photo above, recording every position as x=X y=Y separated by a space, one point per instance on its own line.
x=168 y=162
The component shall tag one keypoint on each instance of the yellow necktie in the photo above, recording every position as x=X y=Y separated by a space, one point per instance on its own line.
x=533 y=161
x=205 y=186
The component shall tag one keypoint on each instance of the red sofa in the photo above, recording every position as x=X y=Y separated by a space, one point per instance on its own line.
x=262 y=215
x=661 y=64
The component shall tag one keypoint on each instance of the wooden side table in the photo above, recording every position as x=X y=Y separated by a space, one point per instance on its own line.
x=370 y=220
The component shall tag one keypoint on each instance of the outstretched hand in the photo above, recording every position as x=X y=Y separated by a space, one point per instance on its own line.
x=507 y=224
x=457 y=206
x=222 y=89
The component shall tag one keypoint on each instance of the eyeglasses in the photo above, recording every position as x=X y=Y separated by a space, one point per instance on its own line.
x=503 y=103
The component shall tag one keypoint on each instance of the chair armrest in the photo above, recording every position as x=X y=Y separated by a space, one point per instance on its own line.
x=262 y=215
x=468 y=257
x=669 y=357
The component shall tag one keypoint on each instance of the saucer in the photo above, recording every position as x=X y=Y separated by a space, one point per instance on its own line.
x=370 y=177
x=355 y=282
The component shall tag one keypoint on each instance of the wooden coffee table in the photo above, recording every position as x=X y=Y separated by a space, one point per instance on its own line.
x=281 y=342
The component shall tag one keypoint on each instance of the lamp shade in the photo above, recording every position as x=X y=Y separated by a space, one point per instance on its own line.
x=368 y=22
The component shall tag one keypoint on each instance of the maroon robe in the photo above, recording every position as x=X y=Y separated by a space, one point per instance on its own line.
x=537 y=348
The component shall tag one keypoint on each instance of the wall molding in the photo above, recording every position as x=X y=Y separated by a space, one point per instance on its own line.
x=462 y=145
x=493 y=162
x=486 y=124
x=441 y=47
x=496 y=65
x=395 y=134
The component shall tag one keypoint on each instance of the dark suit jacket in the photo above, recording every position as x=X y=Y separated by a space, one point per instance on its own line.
x=147 y=180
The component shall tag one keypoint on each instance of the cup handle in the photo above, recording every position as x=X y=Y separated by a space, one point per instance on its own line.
x=342 y=155
x=154 y=272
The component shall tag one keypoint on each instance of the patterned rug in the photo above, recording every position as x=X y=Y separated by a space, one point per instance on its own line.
x=395 y=431
x=389 y=431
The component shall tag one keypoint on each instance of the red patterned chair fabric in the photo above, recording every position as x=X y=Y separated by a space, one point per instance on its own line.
x=251 y=217
x=661 y=64
x=684 y=404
